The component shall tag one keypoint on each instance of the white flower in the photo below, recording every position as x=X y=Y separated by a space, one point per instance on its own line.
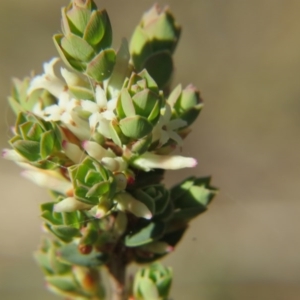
x=12 y=154
x=49 y=179
x=106 y=156
x=73 y=152
x=48 y=81
x=62 y=110
x=70 y=204
x=101 y=112
x=165 y=127
x=148 y=161
x=126 y=202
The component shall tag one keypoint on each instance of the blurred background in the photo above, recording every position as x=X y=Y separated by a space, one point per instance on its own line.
x=245 y=58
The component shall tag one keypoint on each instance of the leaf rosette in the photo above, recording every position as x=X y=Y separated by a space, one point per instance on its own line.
x=156 y=198
x=93 y=183
x=138 y=110
x=38 y=141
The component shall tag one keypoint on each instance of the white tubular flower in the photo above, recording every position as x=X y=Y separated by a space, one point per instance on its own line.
x=165 y=128
x=48 y=81
x=49 y=179
x=106 y=157
x=125 y=202
x=11 y=154
x=73 y=152
x=148 y=161
x=116 y=164
x=96 y=151
x=70 y=204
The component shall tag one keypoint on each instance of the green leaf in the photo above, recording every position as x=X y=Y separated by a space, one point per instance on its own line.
x=65 y=232
x=186 y=214
x=100 y=68
x=47 y=144
x=121 y=70
x=161 y=75
x=77 y=48
x=142 y=145
x=98 y=189
x=139 y=48
x=79 y=18
x=153 y=231
x=29 y=149
x=144 y=102
x=62 y=282
x=67 y=59
x=144 y=198
x=135 y=127
x=69 y=254
x=148 y=289
x=125 y=106
x=95 y=29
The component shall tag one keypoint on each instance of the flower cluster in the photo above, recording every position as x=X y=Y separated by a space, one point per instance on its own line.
x=100 y=135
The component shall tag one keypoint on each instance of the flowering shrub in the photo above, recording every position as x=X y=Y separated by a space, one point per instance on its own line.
x=99 y=135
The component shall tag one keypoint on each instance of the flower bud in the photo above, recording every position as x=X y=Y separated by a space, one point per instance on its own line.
x=186 y=104
x=85 y=42
x=153 y=42
x=138 y=107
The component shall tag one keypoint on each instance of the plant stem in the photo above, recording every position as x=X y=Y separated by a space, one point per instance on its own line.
x=117 y=270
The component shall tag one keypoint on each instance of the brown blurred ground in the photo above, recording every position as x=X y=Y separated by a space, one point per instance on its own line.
x=245 y=57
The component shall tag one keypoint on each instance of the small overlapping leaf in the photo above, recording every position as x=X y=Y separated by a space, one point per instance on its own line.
x=138 y=109
x=153 y=42
x=155 y=197
x=38 y=141
x=191 y=197
x=64 y=225
x=92 y=182
x=85 y=42
x=186 y=104
x=144 y=235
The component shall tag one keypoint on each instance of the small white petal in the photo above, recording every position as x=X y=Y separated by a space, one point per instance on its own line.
x=176 y=124
x=11 y=154
x=100 y=97
x=70 y=204
x=176 y=137
x=48 y=81
x=76 y=125
x=96 y=151
x=49 y=179
x=89 y=106
x=111 y=104
x=148 y=161
x=110 y=163
x=73 y=152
